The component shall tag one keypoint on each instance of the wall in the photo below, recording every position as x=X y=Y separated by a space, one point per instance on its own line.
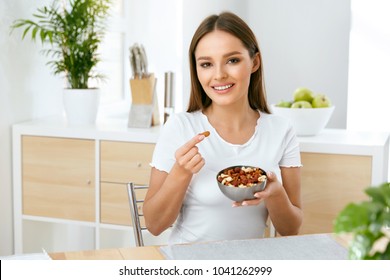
x=28 y=90
x=304 y=42
x=156 y=25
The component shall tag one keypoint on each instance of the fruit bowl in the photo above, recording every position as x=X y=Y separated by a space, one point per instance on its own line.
x=306 y=121
x=243 y=189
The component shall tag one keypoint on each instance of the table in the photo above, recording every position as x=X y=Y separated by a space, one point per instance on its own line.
x=148 y=252
x=130 y=253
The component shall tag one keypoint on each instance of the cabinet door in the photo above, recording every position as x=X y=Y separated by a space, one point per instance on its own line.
x=122 y=162
x=114 y=205
x=58 y=177
x=329 y=183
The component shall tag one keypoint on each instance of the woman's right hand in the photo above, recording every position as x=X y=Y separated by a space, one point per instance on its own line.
x=188 y=156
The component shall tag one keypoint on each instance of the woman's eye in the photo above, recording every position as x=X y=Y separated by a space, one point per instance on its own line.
x=205 y=64
x=233 y=60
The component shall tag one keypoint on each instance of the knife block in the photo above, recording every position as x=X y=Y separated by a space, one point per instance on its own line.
x=144 y=108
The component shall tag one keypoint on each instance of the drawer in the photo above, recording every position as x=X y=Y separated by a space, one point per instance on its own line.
x=58 y=177
x=329 y=183
x=114 y=204
x=122 y=162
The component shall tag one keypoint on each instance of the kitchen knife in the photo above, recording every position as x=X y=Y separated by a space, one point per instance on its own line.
x=144 y=60
x=132 y=62
x=137 y=61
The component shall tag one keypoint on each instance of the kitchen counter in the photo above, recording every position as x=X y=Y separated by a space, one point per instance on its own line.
x=337 y=166
x=110 y=128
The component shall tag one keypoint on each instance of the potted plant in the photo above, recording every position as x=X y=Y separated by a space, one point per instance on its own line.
x=369 y=224
x=74 y=30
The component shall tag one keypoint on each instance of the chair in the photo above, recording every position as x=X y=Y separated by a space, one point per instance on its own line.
x=136 y=214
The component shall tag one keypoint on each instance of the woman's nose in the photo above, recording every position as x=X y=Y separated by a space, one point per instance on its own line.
x=220 y=73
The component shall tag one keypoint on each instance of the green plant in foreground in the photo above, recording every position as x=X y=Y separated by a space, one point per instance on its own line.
x=74 y=29
x=369 y=223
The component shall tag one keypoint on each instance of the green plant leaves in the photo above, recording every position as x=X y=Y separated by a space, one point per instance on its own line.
x=352 y=218
x=380 y=194
x=74 y=32
x=367 y=221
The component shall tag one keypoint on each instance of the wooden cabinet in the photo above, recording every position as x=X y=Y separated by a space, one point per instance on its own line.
x=70 y=182
x=120 y=163
x=114 y=204
x=58 y=178
x=337 y=166
x=329 y=183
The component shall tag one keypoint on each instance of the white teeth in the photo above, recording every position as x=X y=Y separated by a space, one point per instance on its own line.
x=223 y=87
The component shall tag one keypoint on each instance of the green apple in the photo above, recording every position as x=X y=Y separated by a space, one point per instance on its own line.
x=301 y=104
x=321 y=101
x=284 y=104
x=303 y=94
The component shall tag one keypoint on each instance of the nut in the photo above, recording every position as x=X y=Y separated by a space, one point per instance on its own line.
x=241 y=177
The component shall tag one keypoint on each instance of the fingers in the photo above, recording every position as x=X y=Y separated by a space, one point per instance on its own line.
x=190 y=144
x=250 y=202
x=188 y=156
x=271 y=177
x=191 y=161
x=259 y=196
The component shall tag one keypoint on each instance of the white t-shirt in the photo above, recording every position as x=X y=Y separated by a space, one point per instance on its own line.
x=206 y=214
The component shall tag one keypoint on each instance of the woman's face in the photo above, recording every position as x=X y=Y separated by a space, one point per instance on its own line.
x=224 y=67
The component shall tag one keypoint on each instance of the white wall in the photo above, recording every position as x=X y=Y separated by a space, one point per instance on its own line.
x=304 y=42
x=28 y=90
x=157 y=26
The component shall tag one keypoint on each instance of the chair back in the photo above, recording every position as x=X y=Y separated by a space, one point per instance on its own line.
x=136 y=212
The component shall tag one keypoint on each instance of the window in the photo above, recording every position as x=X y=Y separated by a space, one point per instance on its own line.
x=112 y=53
x=369 y=62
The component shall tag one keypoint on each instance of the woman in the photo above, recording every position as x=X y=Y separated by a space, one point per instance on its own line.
x=228 y=99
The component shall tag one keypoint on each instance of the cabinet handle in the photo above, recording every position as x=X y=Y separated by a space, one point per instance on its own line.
x=88 y=182
x=139 y=164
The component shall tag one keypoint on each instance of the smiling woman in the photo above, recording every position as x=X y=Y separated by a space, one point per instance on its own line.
x=228 y=99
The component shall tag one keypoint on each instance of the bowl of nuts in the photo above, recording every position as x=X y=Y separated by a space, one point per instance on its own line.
x=241 y=182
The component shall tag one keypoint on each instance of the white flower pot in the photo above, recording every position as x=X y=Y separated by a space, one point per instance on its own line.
x=81 y=105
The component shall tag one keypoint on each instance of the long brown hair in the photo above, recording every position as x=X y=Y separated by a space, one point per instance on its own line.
x=234 y=25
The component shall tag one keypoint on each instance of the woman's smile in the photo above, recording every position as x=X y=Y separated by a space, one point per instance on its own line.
x=224 y=67
x=223 y=88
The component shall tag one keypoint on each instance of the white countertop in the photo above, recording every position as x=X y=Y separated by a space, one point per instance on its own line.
x=105 y=129
x=328 y=140
x=344 y=141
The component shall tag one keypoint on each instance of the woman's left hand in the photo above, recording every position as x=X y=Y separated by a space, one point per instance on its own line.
x=273 y=188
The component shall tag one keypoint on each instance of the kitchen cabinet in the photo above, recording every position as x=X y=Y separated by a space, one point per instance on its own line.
x=57 y=175
x=121 y=162
x=70 y=182
x=337 y=166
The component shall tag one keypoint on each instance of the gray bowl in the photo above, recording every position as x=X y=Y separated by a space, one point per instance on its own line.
x=240 y=194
